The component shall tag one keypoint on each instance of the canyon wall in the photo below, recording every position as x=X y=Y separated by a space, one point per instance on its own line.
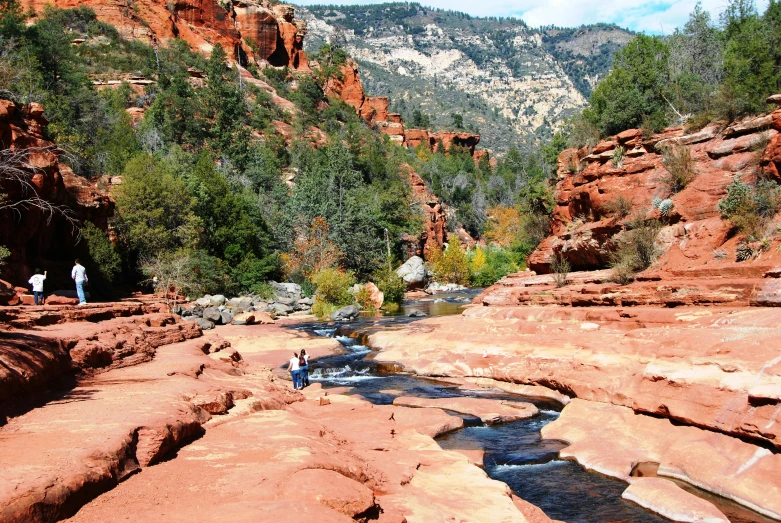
x=586 y=227
x=249 y=30
x=32 y=225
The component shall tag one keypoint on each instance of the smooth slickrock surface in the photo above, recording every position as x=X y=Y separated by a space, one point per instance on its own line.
x=718 y=369
x=611 y=440
x=489 y=411
x=207 y=432
x=256 y=467
x=666 y=498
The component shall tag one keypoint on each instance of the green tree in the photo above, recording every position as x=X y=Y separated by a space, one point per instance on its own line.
x=155 y=212
x=635 y=88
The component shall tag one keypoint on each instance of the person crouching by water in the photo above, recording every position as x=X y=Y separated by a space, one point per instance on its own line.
x=37 y=282
x=295 y=371
x=303 y=364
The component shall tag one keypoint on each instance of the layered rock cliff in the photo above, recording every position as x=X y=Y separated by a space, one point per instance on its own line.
x=250 y=30
x=628 y=166
x=45 y=199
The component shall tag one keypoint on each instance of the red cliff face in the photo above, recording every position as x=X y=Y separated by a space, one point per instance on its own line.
x=434 y=214
x=33 y=236
x=374 y=109
x=585 y=226
x=249 y=30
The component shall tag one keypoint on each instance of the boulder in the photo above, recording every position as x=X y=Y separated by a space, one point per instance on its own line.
x=217 y=300
x=281 y=308
x=346 y=313
x=205 y=324
x=212 y=314
x=7 y=294
x=375 y=295
x=239 y=304
x=226 y=317
x=306 y=301
x=243 y=318
x=204 y=302
x=287 y=290
x=286 y=301
x=413 y=272
x=415 y=313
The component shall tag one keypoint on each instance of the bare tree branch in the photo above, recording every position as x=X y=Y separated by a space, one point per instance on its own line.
x=17 y=169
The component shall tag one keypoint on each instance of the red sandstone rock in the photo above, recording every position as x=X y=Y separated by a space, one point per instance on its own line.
x=671 y=501
x=376 y=296
x=675 y=363
x=489 y=411
x=612 y=440
x=434 y=235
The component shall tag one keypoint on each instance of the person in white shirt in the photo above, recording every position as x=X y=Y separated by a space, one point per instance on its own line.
x=79 y=275
x=295 y=371
x=37 y=282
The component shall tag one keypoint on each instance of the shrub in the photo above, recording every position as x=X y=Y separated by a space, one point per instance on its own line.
x=391 y=285
x=333 y=286
x=4 y=253
x=450 y=266
x=323 y=310
x=620 y=206
x=491 y=265
x=102 y=260
x=618 y=156
x=744 y=252
x=749 y=207
x=665 y=207
x=364 y=299
x=636 y=251
x=560 y=268
x=680 y=168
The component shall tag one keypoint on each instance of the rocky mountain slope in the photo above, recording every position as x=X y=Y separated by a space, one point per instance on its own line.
x=510 y=81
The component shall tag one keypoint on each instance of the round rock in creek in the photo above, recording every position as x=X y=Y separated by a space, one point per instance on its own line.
x=415 y=313
x=346 y=313
x=413 y=272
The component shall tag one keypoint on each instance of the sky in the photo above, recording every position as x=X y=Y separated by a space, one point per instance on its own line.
x=650 y=16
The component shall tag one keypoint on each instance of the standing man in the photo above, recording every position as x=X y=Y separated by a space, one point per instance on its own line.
x=37 y=282
x=79 y=275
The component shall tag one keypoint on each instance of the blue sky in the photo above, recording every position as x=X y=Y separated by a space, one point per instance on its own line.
x=654 y=16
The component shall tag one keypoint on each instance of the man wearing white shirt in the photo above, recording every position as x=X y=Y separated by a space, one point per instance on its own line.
x=295 y=371
x=37 y=282
x=79 y=275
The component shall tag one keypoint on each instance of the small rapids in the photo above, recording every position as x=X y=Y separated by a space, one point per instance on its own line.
x=514 y=453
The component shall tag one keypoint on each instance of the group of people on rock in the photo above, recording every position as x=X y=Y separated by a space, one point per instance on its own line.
x=299 y=369
x=78 y=275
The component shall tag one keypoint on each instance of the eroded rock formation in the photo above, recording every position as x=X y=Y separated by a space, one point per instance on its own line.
x=33 y=233
x=630 y=167
x=374 y=109
x=249 y=30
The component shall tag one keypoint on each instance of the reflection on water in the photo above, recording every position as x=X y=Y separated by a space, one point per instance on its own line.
x=514 y=452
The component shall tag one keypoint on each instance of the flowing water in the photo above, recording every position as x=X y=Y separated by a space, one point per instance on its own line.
x=514 y=452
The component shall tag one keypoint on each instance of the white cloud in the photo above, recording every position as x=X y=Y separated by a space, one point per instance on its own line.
x=655 y=16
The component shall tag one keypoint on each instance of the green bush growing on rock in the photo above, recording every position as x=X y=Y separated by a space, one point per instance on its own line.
x=637 y=249
x=333 y=291
x=4 y=254
x=391 y=285
x=680 y=168
x=750 y=206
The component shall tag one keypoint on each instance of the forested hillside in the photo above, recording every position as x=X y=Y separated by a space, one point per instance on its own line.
x=511 y=83
x=218 y=178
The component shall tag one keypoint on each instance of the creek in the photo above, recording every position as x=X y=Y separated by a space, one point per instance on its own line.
x=514 y=452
